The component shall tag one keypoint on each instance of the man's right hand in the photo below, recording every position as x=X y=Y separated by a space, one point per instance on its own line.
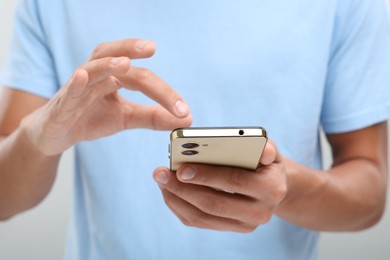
x=89 y=105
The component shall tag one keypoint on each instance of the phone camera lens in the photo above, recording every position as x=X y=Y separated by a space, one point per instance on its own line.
x=189 y=152
x=241 y=132
x=190 y=145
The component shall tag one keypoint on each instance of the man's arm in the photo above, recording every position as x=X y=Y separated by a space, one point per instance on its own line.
x=350 y=196
x=26 y=174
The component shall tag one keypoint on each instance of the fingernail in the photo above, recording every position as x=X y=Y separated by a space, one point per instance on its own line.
x=116 y=60
x=162 y=177
x=187 y=174
x=181 y=107
x=141 y=44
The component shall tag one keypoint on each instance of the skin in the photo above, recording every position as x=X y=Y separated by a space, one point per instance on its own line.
x=349 y=196
x=36 y=131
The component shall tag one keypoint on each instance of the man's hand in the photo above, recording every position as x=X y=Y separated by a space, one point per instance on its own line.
x=89 y=106
x=225 y=198
x=348 y=197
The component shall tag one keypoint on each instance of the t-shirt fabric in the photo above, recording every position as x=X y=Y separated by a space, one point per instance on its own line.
x=290 y=67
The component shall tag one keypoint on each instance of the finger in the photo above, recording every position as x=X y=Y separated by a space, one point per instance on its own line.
x=154 y=87
x=74 y=90
x=62 y=105
x=278 y=156
x=265 y=184
x=211 y=201
x=99 y=80
x=131 y=48
x=193 y=217
x=74 y=99
x=229 y=179
x=90 y=74
x=269 y=154
x=95 y=92
x=107 y=86
x=153 y=117
x=99 y=69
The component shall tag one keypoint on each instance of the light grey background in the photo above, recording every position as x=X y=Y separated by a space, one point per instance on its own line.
x=41 y=232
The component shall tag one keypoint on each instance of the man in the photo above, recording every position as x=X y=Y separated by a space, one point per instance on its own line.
x=289 y=67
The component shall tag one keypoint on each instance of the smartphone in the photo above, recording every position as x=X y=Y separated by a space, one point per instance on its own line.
x=227 y=146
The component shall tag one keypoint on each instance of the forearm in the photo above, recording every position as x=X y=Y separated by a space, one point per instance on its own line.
x=350 y=196
x=26 y=175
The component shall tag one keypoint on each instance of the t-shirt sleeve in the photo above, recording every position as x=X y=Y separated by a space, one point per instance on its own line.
x=357 y=91
x=30 y=65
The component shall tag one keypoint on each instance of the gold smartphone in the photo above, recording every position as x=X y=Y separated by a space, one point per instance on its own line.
x=227 y=146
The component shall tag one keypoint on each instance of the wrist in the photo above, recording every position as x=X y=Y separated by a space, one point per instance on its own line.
x=303 y=183
x=25 y=136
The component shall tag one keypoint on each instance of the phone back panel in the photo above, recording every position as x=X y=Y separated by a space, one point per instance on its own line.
x=237 y=151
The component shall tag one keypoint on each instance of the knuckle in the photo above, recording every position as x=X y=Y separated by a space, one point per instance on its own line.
x=185 y=221
x=202 y=223
x=279 y=193
x=96 y=90
x=263 y=217
x=189 y=220
x=194 y=220
x=247 y=229
x=277 y=190
x=237 y=180
x=168 y=200
x=213 y=207
x=143 y=75
x=98 y=49
x=259 y=214
x=114 y=82
x=266 y=218
x=199 y=220
x=176 y=189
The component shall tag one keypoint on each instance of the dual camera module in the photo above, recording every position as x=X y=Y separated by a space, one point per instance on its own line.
x=190 y=149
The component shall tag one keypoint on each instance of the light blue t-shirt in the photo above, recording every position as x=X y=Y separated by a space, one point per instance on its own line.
x=289 y=66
